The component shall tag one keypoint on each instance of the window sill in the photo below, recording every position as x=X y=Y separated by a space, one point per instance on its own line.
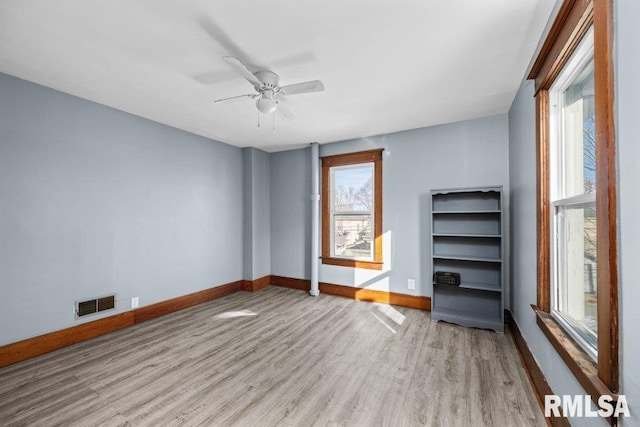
x=370 y=265
x=577 y=360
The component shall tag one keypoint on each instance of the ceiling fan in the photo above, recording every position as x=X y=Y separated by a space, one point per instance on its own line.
x=269 y=93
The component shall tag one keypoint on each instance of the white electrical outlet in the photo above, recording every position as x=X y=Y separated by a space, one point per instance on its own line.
x=411 y=283
x=135 y=302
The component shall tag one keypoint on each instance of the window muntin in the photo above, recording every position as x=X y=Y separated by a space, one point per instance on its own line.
x=573 y=198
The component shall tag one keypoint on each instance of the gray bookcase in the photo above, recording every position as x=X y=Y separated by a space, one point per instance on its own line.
x=467 y=238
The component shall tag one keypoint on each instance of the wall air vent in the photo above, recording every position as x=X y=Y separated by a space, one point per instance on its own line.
x=95 y=305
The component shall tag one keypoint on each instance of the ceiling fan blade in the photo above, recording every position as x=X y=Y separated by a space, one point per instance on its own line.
x=305 y=87
x=243 y=70
x=236 y=98
x=285 y=112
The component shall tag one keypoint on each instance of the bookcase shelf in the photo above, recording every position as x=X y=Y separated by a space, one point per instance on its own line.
x=468 y=258
x=464 y=235
x=485 y=211
x=493 y=287
x=467 y=238
x=470 y=319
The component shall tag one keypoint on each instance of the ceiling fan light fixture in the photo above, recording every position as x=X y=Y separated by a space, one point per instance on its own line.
x=266 y=105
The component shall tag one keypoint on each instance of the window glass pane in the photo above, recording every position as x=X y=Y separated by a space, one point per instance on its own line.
x=352 y=236
x=353 y=188
x=578 y=290
x=579 y=150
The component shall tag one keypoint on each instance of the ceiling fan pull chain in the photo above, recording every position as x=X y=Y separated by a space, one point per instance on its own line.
x=258 y=118
x=273 y=122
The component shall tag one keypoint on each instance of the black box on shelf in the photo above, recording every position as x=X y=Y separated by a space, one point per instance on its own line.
x=446 y=278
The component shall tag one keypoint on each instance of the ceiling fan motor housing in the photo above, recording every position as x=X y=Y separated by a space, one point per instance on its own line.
x=268 y=79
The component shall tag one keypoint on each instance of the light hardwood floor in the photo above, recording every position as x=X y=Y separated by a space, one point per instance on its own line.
x=277 y=357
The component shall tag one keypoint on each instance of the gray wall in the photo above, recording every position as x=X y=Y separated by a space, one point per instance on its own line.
x=256 y=214
x=291 y=213
x=523 y=219
x=414 y=162
x=95 y=201
x=628 y=134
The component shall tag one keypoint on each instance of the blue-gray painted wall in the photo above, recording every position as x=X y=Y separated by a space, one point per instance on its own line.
x=257 y=215
x=95 y=201
x=291 y=213
x=522 y=178
x=627 y=39
x=247 y=213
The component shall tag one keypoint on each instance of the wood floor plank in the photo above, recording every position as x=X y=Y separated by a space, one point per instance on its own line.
x=277 y=357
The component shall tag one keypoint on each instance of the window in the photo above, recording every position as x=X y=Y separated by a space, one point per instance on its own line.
x=577 y=302
x=352 y=209
x=573 y=198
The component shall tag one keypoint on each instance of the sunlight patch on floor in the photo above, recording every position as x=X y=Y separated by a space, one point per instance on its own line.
x=390 y=312
x=232 y=314
x=383 y=322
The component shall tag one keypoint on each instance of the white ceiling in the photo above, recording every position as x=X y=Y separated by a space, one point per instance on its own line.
x=386 y=65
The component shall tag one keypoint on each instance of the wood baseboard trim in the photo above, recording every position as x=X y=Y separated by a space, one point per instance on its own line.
x=180 y=303
x=291 y=283
x=256 y=285
x=403 y=300
x=536 y=376
x=32 y=347
x=36 y=346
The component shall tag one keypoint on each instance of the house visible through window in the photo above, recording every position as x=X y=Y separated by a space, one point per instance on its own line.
x=352 y=209
x=352 y=215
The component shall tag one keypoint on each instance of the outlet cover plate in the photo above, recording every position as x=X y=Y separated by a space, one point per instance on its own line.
x=411 y=283
x=135 y=302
